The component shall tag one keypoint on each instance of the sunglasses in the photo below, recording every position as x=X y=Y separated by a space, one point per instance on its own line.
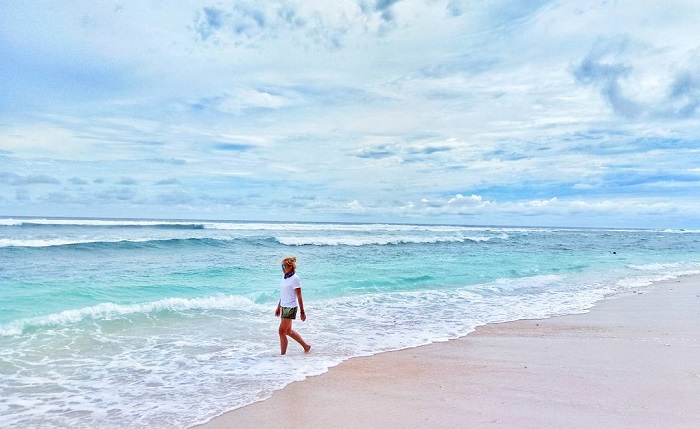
x=284 y=266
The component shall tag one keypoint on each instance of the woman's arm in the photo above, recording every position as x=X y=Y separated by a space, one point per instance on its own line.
x=279 y=309
x=301 y=303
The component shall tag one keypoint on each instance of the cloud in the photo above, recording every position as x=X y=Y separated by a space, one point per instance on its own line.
x=208 y=21
x=14 y=179
x=603 y=68
x=602 y=212
x=171 y=161
x=232 y=147
x=244 y=20
x=684 y=94
x=430 y=111
x=166 y=182
x=408 y=152
x=128 y=181
x=457 y=7
x=384 y=7
x=429 y=149
x=59 y=198
x=119 y=194
x=77 y=181
x=22 y=194
x=458 y=204
x=175 y=198
x=377 y=152
x=460 y=199
x=621 y=69
x=245 y=99
x=247 y=22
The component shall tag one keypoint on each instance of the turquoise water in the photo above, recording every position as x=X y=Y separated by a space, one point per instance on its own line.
x=126 y=323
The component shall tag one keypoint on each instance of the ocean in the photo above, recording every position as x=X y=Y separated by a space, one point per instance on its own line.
x=152 y=323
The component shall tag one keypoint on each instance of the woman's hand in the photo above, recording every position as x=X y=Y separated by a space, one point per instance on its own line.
x=303 y=316
x=278 y=311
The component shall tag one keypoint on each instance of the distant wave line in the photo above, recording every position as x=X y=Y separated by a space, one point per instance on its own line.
x=234 y=226
x=379 y=241
x=285 y=241
x=97 y=242
x=101 y=223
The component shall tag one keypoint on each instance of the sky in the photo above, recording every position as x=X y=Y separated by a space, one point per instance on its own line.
x=489 y=112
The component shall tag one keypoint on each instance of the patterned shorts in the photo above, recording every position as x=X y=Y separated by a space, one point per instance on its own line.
x=289 y=312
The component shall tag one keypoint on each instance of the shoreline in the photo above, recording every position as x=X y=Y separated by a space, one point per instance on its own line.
x=631 y=361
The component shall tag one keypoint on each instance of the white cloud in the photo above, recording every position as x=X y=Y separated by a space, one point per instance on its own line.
x=462 y=200
x=440 y=110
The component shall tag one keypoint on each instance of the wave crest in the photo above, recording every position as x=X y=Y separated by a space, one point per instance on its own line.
x=108 y=310
x=378 y=240
x=56 y=242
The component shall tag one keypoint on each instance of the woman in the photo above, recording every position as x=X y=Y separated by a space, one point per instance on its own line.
x=290 y=300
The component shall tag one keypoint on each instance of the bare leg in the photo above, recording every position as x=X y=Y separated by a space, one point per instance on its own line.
x=296 y=337
x=286 y=330
x=285 y=325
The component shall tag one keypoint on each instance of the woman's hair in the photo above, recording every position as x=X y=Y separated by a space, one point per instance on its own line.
x=290 y=260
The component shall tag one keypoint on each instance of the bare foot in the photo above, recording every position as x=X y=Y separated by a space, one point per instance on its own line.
x=307 y=348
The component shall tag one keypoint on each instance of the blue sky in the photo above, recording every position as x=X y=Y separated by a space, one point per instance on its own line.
x=564 y=113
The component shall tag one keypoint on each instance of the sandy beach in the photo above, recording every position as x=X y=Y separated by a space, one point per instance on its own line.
x=631 y=362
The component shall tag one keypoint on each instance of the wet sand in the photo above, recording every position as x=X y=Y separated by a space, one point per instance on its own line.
x=631 y=362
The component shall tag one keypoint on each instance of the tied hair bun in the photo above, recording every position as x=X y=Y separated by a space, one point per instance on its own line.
x=290 y=260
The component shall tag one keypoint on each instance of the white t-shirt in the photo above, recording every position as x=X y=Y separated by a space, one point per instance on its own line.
x=288 y=296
